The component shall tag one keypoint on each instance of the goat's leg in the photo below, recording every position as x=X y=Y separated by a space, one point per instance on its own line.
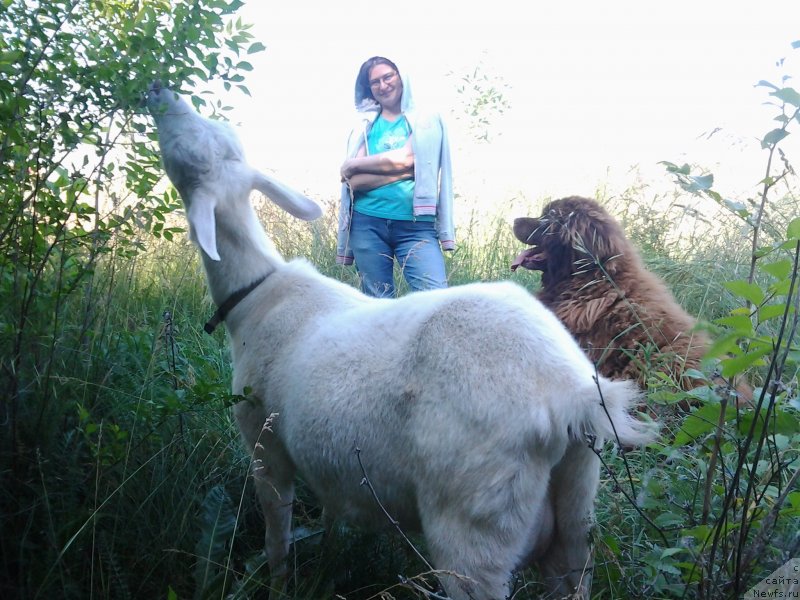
x=273 y=475
x=567 y=563
x=477 y=541
x=276 y=494
x=467 y=571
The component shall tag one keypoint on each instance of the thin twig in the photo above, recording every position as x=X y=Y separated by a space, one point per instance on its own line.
x=768 y=522
x=630 y=500
x=596 y=378
x=392 y=520
x=712 y=464
x=592 y=438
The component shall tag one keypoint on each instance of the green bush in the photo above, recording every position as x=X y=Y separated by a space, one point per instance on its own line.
x=109 y=426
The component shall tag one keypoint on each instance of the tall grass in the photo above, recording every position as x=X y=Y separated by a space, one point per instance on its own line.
x=129 y=481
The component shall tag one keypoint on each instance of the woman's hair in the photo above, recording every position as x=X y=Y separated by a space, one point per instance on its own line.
x=363 y=89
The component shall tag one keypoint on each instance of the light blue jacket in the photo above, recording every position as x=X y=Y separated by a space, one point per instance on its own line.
x=433 y=179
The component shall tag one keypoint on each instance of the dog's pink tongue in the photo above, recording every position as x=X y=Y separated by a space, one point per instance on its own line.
x=523 y=259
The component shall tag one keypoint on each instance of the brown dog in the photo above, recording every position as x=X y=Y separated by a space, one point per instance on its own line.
x=622 y=315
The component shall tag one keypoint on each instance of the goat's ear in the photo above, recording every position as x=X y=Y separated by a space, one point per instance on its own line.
x=289 y=200
x=201 y=221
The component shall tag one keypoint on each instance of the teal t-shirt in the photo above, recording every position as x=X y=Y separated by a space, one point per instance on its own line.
x=394 y=200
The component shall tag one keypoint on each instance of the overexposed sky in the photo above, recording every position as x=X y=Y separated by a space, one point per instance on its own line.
x=595 y=87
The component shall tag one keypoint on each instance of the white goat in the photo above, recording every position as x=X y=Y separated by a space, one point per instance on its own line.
x=471 y=406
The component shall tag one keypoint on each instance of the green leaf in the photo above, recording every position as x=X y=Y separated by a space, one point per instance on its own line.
x=702 y=182
x=746 y=290
x=771 y=311
x=737 y=207
x=695 y=374
x=780 y=287
x=788 y=245
x=793 y=229
x=673 y=168
x=701 y=534
x=738 y=364
x=11 y=57
x=669 y=519
x=257 y=47
x=612 y=543
x=723 y=345
x=773 y=137
x=671 y=552
x=764 y=251
x=665 y=397
x=705 y=394
x=788 y=95
x=701 y=422
x=741 y=324
x=779 y=270
x=781 y=421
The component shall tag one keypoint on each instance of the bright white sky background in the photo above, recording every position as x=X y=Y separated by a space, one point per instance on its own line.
x=595 y=87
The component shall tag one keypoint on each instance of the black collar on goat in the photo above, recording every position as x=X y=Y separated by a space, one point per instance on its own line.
x=230 y=303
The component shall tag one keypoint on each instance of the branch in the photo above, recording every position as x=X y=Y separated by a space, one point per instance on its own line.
x=392 y=520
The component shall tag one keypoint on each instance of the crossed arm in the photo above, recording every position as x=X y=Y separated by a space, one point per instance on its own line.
x=364 y=172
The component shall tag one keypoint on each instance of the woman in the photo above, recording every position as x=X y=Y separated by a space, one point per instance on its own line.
x=397 y=192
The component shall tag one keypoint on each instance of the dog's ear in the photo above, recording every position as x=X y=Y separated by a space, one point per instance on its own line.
x=594 y=232
x=524 y=228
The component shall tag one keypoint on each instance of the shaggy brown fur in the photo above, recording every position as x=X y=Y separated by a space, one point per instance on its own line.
x=593 y=278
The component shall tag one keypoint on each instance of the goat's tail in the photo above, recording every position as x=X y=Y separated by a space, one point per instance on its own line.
x=609 y=416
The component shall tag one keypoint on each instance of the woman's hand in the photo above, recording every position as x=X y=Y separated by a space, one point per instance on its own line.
x=346 y=171
x=391 y=162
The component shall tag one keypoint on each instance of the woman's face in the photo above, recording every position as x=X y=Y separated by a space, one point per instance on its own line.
x=386 y=86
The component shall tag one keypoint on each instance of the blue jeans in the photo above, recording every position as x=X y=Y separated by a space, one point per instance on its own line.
x=377 y=242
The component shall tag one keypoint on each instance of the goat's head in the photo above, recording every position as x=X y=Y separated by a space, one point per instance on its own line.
x=163 y=103
x=205 y=161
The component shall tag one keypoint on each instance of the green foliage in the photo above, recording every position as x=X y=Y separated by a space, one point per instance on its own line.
x=483 y=100
x=92 y=406
x=724 y=513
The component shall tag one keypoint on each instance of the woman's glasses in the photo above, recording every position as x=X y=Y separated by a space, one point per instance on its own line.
x=386 y=79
